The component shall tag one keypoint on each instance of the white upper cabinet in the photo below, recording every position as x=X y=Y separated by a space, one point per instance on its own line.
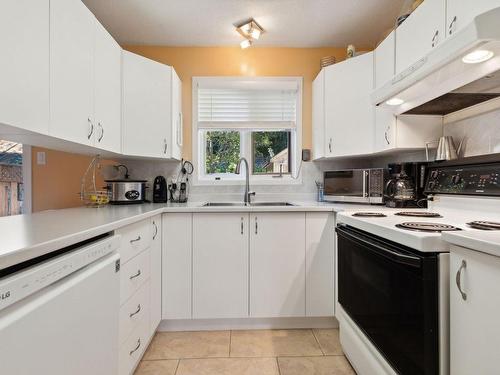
x=85 y=78
x=107 y=91
x=72 y=29
x=349 y=113
x=277 y=264
x=318 y=116
x=149 y=126
x=405 y=132
x=385 y=60
x=461 y=12
x=422 y=31
x=24 y=65
x=177 y=118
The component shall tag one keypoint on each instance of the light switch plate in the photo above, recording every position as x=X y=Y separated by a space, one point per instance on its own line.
x=40 y=158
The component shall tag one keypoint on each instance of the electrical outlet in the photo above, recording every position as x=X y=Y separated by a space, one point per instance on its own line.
x=41 y=158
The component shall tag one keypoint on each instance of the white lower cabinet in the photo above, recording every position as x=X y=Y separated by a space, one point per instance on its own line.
x=177 y=262
x=474 y=325
x=320 y=263
x=140 y=289
x=155 y=266
x=220 y=265
x=277 y=264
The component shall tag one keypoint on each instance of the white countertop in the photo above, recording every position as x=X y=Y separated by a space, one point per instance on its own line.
x=24 y=237
x=484 y=241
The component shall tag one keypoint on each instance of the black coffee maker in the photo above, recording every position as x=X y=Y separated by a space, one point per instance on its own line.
x=406 y=184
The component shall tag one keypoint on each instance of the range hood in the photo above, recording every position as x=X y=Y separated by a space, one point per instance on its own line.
x=441 y=83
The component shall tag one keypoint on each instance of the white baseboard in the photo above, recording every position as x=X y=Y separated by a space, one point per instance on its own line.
x=246 y=323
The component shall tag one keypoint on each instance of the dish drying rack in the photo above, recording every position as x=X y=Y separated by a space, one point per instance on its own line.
x=89 y=194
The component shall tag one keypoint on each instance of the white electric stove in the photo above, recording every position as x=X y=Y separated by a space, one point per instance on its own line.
x=393 y=271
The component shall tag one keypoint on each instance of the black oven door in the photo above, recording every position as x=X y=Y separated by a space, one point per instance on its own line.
x=391 y=293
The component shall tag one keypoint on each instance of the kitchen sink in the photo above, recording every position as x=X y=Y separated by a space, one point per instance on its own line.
x=223 y=204
x=256 y=204
x=271 y=204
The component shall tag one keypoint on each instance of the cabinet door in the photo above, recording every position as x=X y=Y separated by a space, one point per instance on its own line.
x=155 y=274
x=349 y=113
x=385 y=60
x=177 y=263
x=319 y=264
x=422 y=31
x=277 y=265
x=177 y=136
x=107 y=91
x=459 y=13
x=318 y=115
x=220 y=265
x=72 y=28
x=474 y=324
x=24 y=65
x=385 y=129
x=147 y=87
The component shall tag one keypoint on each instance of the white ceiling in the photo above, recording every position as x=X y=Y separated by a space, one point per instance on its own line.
x=289 y=23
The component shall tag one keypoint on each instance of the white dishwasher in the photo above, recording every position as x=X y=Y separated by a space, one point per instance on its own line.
x=59 y=315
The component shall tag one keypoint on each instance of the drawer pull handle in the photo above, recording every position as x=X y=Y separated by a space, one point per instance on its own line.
x=135 y=240
x=136 y=275
x=156 y=230
x=136 y=311
x=458 y=277
x=241 y=225
x=136 y=348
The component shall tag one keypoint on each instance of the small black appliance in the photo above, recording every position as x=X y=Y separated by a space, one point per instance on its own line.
x=160 y=192
x=412 y=174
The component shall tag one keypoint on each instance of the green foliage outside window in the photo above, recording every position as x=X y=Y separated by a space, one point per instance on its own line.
x=222 y=151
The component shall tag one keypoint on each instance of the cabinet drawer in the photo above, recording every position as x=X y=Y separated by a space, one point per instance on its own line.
x=133 y=347
x=134 y=312
x=135 y=238
x=132 y=275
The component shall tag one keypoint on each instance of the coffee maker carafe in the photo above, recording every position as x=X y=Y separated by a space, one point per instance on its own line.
x=405 y=185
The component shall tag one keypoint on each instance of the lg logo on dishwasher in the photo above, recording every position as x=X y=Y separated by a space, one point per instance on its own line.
x=4 y=296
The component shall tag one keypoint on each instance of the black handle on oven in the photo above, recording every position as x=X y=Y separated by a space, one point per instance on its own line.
x=374 y=247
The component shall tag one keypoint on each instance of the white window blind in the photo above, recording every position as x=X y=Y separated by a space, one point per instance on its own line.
x=247 y=108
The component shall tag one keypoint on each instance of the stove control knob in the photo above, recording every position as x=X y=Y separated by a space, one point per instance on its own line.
x=432 y=185
x=434 y=174
x=456 y=179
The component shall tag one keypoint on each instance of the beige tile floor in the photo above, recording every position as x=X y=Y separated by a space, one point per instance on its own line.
x=260 y=352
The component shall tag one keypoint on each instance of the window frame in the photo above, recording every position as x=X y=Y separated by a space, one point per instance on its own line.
x=246 y=146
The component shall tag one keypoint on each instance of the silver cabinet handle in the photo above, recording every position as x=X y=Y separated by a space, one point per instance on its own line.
x=165 y=145
x=156 y=230
x=136 y=275
x=256 y=225
x=330 y=145
x=452 y=24
x=136 y=239
x=136 y=348
x=91 y=128
x=458 y=276
x=136 y=311
x=242 y=225
x=386 y=138
x=435 y=39
x=102 y=132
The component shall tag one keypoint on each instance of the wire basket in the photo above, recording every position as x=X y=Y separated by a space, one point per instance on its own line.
x=89 y=194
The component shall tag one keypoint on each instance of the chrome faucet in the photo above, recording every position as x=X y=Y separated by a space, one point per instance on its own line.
x=248 y=193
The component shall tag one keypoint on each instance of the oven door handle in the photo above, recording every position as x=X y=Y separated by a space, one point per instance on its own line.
x=405 y=259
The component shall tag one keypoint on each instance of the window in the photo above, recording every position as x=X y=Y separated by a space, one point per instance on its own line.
x=255 y=118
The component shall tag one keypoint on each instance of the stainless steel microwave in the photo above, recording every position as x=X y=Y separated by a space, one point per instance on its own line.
x=355 y=185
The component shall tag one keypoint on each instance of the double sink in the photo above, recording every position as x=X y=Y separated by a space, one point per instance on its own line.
x=241 y=204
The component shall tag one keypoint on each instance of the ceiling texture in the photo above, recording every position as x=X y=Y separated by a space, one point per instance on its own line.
x=288 y=23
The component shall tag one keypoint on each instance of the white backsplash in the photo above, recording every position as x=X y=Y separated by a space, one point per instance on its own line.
x=482 y=134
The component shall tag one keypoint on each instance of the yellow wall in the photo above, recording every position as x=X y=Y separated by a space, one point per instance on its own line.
x=56 y=184
x=233 y=61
